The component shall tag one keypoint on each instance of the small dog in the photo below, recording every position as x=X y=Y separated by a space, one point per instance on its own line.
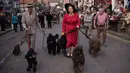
x=62 y=44
x=31 y=59
x=16 y=50
x=51 y=44
x=94 y=46
x=78 y=59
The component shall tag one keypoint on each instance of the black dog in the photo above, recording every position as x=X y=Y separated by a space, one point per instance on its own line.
x=94 y=46
x=78 y=59
x=62 y=44
x=31 y=59
x=51 y=44
x=16 y=50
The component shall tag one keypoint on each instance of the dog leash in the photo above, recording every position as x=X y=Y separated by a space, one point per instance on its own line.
x=22 y=40
x=75 y=29
x=85 y=34
x=44 y=33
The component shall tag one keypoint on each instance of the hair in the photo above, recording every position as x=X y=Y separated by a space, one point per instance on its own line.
x=74 y=10
x=101 y=8
x=128 y=9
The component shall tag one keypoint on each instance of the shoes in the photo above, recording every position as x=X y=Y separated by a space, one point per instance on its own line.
x=69 y=55
x=104 y=44
x=90 y=37
x=35 y=53
x=28 y=69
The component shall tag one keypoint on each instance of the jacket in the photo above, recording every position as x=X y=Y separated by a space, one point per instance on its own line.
x=14 y=20
x=29 y=22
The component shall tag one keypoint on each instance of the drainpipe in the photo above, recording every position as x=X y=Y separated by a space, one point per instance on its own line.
x=125 y=3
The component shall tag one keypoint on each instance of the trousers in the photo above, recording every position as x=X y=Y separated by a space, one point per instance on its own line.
x=88 y=29
x=30 y=38
x=103 y=30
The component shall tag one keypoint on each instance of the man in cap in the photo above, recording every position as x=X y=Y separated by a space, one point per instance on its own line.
x=30 y=24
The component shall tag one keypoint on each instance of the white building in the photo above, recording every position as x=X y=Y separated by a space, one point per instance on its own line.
x=115 y=2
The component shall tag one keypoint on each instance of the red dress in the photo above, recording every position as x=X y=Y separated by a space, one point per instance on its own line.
x=70 y=23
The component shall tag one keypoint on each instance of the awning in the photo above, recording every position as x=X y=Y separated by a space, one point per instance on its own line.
x=7 y=8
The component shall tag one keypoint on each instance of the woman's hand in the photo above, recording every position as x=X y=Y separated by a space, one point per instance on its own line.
x=63 y=33
x=77 y=27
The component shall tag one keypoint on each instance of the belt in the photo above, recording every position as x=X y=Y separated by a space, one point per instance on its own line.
x=101 y=25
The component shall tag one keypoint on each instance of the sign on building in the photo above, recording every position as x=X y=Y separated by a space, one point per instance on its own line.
x=66 y=1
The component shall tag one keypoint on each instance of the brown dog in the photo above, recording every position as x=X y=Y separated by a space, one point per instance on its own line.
x=78 y=59
x=94 y=46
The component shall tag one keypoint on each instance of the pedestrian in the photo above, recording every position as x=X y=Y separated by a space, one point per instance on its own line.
x=101 y=24
x=94 y=12
x=118 y=11
x=9 y=21
x=41 y=19
x=3 y=20
x=49 y=19
x=15 y=22
x=127 y=19
x=88 y=23
x=120 y=5
x=30 y=24
x=20 y=21
x=70 y=21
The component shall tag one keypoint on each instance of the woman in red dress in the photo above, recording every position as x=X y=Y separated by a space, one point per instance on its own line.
x=70 y=21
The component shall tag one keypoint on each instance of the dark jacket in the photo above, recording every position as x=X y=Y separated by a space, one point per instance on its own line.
x=41 y=17
x=49 y=17
x=2 y=18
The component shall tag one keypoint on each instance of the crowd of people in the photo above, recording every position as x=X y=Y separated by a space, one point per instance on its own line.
x=13 y=20
x=6 y=20
x=119 y=15
x=52 y=17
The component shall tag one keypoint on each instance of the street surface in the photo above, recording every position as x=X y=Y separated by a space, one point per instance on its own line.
x=114 y=58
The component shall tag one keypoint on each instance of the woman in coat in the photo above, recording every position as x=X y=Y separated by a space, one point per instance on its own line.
x=15 y=22
x=70 y=21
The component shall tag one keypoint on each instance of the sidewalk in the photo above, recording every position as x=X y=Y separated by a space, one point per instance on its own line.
x=120 y=35
x=4 y=32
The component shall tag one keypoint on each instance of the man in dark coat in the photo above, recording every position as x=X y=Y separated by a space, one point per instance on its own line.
x=49 y=19
x=3 y=21
x=41 y=19
x=20 y=21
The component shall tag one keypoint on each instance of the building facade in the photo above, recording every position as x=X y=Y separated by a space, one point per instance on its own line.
x=10 y=6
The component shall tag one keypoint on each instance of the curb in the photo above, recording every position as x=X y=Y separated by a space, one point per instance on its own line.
x=119 y=36
x=4 y=32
